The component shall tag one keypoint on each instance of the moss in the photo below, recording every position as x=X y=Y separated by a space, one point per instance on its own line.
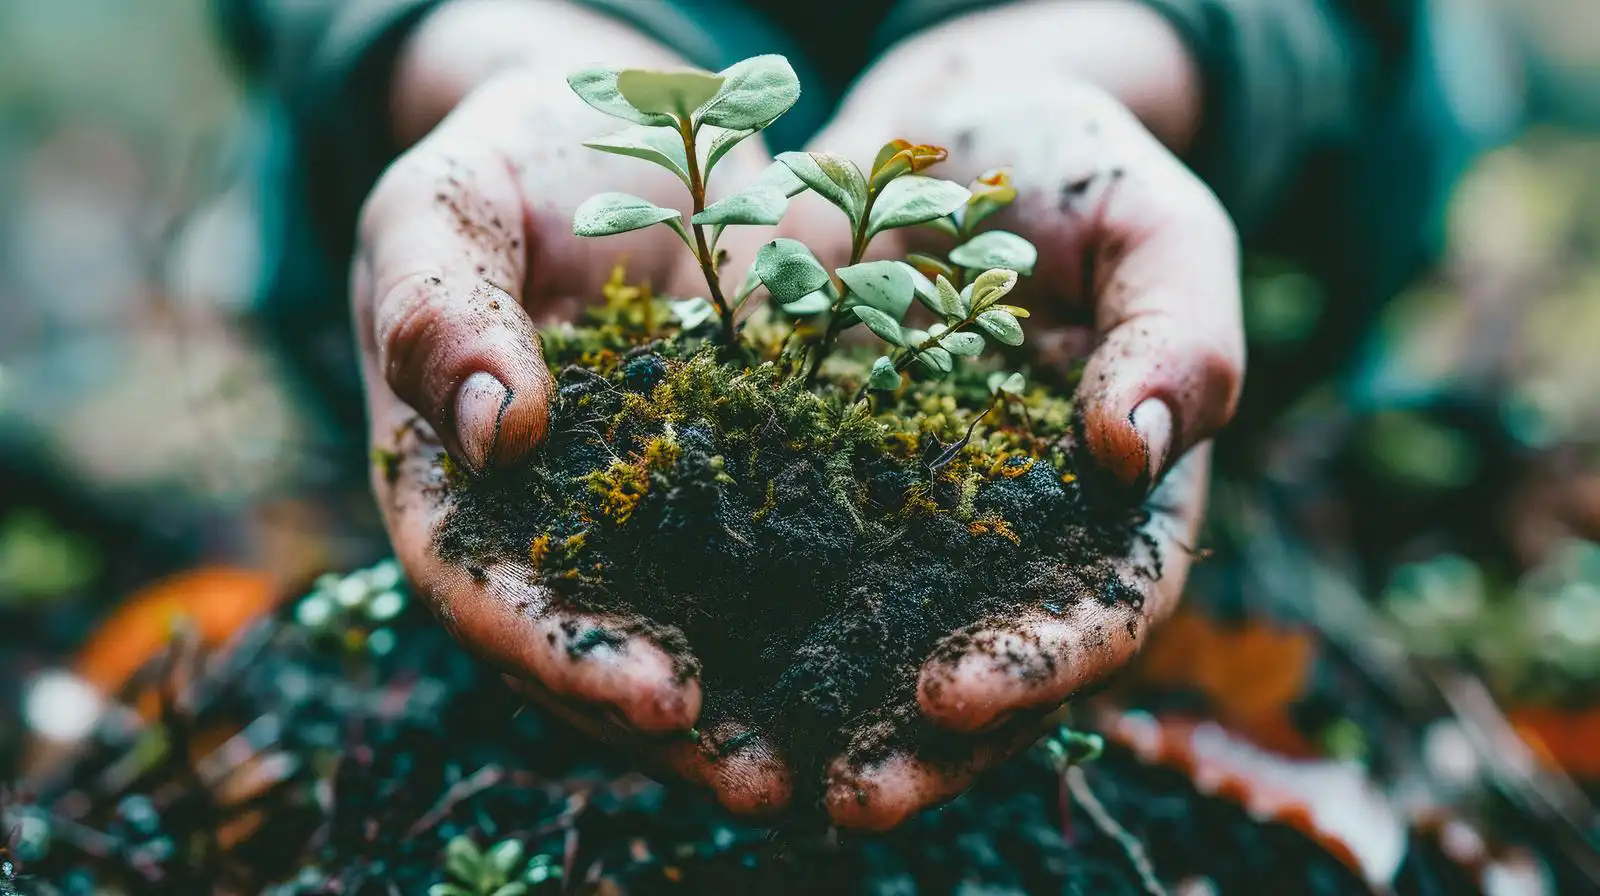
x=806 y=544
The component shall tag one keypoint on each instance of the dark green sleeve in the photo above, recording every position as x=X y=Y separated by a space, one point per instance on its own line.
x=325 y=65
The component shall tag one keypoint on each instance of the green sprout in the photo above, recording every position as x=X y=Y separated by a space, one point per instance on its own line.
x=499 y=870
x=685 y=121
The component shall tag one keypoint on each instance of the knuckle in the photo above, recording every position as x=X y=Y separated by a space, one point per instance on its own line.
x=412 y=312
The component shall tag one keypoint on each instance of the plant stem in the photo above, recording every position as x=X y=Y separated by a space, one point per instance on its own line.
x=708 y=263
x=858 y=248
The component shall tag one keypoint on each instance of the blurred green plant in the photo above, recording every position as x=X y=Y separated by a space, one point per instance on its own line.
x=41 y=561
x=501 y=870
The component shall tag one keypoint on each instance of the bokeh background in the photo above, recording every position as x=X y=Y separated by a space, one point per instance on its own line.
x=1431 y=522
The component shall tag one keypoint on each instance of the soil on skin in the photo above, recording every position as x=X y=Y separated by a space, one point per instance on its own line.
x=811 y=550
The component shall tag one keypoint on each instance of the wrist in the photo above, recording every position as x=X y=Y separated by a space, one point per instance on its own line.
x=1123 y=47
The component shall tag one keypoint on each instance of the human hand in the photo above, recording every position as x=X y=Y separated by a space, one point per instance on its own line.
x=464 y=245
x=1138 y=261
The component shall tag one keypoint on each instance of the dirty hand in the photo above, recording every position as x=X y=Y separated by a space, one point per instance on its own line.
x=1138 y=258
x=464 y=245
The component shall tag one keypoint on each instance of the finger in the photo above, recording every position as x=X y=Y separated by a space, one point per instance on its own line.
x=977 y=678
x=748 y=773
x=745 y=772
x=497 y=611
x=884 y=794
x=444 y=236
x=1161 y=264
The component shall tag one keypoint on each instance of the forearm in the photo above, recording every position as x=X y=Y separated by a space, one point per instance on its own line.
x=1026 y=53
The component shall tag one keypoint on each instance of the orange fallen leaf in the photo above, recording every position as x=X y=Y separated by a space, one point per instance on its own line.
x=216 y=601
x=1562 y=739
x=1250 y=673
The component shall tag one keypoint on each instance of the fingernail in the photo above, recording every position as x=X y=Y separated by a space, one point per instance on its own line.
x=1152 y=419
x=480 y=404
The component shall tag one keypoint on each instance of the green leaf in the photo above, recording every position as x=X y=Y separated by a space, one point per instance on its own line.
x=754 y=93
x=676 y=93
x=663 y=147
x=928 y=265
x=515 y=888
x=962 y=342
x=914 y=199
x=996 y=249
x=754 y=206
x=506 y=856
x=691 y=313
x=886 y=327
x=991 y=192
x=914 y=337
x=884 y=285
x=789 y=270
x=598 y=88
x=720 y=144
x=449 y=890
x=809 y=304
x=923 y=288
x=992 y=286
x=1002 y=326
x=833 y=177
x=1012 y=384
x=610 y=213
x=951 y=303
x=541 y=868
x=462 y=859
x=1016 y=310
x=777 y=176
x=936 y=361
x=884 y=378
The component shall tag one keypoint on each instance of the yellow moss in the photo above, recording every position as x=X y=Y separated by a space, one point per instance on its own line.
x=539 y=550
x=767 y=505
x=662 y=452
x=1011 y=465
x=919 y=504
x=453 y=474
x=620 y=488
x=993 y=524
x=387 y=461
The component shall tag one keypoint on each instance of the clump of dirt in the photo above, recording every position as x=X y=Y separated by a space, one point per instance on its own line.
x=810 y=548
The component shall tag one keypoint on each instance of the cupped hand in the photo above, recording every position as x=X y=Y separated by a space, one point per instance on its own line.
x=464 y=245
x=1138 y=267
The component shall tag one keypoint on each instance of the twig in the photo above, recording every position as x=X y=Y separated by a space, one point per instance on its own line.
x=468 y=787
x=1137 y=857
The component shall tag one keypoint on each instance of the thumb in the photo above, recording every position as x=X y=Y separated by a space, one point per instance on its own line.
x=440 y=308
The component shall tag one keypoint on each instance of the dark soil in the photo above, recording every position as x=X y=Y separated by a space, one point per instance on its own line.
x=810 y=550
x=350 y=773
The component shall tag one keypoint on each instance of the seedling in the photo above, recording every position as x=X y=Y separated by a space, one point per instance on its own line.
x=687 y=121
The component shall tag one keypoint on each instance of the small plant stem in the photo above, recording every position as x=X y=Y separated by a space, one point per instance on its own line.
x=858 y=248
x=1137 y=857
x=708 y=262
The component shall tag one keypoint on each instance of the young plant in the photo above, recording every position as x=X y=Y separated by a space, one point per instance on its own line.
x=499 y=870
x=686 y=121
x=675 y=112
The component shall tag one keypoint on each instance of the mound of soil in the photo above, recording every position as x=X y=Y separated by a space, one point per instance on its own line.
x=810 y=549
